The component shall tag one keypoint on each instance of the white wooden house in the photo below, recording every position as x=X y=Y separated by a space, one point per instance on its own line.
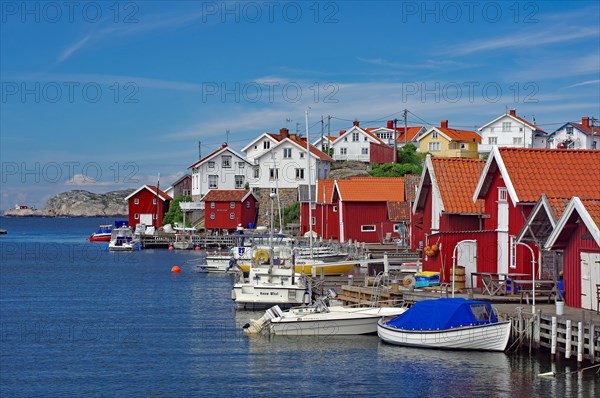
x=386 y=134
x=279 y=161
x=573 y=135
x=222 y=169
x=354 y=144
x=510 y=130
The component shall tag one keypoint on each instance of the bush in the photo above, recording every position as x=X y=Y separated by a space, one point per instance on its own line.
x=175 y=215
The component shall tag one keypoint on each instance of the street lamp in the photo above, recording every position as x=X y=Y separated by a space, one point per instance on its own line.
x=454 y=259
x=532 y=274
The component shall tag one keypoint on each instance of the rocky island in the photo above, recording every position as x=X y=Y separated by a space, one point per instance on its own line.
x=79 y=203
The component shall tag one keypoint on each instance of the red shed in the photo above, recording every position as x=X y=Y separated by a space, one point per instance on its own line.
x=226 y=209
x=577 y=233
x=513 y=181
x=363 y=207
x=380 y=153
x=148 y=205
x=324 y=212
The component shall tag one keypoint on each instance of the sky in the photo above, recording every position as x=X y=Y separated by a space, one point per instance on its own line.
x=109 y=95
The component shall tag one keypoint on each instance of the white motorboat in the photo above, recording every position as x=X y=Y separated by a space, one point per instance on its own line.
x=122 y=239
x=183 y=242
x=452 y=323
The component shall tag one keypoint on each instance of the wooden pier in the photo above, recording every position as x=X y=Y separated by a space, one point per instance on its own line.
x=163 y=240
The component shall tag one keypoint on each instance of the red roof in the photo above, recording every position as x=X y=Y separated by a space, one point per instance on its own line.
x=301 y=141
x=163 y=196
x=398 y=211
x=457 y=179
x=225 y=195
x=411 y=183
x=325 y=191
x=460 y=135
x=371 y=189
x=593 y=208
x=223 y=147
x=533 y=126
x=412 y=133
x=558 y=206
x=562 y=173
x=587 y=129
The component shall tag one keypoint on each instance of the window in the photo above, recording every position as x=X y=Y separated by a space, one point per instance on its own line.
x=366 y=139
x=434 y=146
x=226 y=159
x=273 y=174
x=232 y=216
x=343 y=151
x=335 y=209
x=213 y=182
x=301 y=155
x=481 y=312
x=505 y=126
x=136 y=201
x=247 y=204
x=256 y=172
x=502 y=194
x=517 y=140
x=241 y=165
x=299 y=174
x=187 y=192
x=314 y=221
x=239 y=182
x=365 y=151
x=212 y=216
x=266 y=144
x=345 y=139
x=355 y=137
x=232 y=205
x=155 y=216
x=463 y=146
x=513 y=252
x=212 y=205
x=434 y=134
x=453 y=145
x=136 y=216
x=570 y=130
x=493 y=140
x=273 y=190
x=287 y=153
x=367 y=228
x=154 y=201
x=211 y=165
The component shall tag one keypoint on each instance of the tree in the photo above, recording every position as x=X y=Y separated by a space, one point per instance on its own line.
x=409 y=162
x=175 y=215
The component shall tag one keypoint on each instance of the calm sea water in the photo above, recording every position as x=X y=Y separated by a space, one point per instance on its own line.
x=77 y=320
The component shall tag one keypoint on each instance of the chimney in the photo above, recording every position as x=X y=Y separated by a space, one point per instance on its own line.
x=342 y=132
x=444 y=124
x=585 y=121
x=284 y=133
x=224 y=145
x=512 y=112
x=390 y=124
x=356 y=123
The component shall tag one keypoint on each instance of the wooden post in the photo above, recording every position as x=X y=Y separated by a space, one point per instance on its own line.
x=553 y=344
x=592 y=344
x=579 y=341
x=568 y=342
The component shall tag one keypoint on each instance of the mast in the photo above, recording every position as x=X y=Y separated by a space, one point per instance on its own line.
x=310 y=239
x=157 y=200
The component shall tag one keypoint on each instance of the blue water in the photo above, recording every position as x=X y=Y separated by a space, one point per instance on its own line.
x=77 y=320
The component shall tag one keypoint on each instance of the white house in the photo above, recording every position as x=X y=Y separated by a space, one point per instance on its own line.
x=283 y=164
x=386 y=134
x=510 y=130
x=324 y=143
x=576 y=136
x=354 y=144
x=222 y=169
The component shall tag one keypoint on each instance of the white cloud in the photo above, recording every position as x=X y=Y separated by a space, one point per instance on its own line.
x=585 y=83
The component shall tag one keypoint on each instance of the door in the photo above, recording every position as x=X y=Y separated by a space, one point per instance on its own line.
x=146 y=219
x=467 y=257
x=590 y=277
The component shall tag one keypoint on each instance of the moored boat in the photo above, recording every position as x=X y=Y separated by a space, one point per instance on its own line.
x=102 y=234
x=452 y=323
x=122 y=239
x=183 y=242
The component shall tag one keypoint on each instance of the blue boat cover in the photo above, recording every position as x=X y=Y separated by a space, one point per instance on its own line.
x=445 y=313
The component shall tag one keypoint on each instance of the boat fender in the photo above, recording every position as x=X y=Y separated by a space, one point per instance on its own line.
x=306 y=298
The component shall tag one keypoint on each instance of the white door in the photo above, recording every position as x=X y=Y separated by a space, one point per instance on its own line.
x=467 y=257
x=146 y=219
x=590 y=277
x=503 y=248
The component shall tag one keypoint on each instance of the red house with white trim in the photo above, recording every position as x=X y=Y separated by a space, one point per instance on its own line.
x=577 y=233
x=226 y=209
x=363 y=207
x=324 y=213
x=148 y=205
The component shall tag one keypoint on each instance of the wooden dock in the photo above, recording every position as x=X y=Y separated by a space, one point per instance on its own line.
x=163 y=240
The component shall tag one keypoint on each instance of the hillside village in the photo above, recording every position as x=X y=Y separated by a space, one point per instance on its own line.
x=491 y=198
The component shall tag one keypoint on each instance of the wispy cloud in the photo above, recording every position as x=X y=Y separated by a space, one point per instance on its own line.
x=535 y=38
x=428 y=64
x=585 y=83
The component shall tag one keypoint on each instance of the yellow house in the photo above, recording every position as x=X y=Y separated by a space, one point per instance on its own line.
x=444 y=142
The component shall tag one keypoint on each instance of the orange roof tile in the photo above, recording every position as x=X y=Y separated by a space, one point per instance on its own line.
x=412 y=133
x=325 y=191
x=593 y=208
x=398 y=211
x=558 y=206
x=371 y=189
x=457 y=180
x=301 y=141
x=225 y=195
x=460 y=135
x=559 y=173
x=411 y=183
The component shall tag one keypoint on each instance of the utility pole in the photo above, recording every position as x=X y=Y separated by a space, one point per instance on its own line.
x=322 y=128
x=395 y=141
x=199 y=150
x=405 y=114
x=227 y=136
x=329 y=134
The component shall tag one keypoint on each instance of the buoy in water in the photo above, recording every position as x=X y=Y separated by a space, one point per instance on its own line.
x=171 y=247
x=175 y=268
x=197 y=248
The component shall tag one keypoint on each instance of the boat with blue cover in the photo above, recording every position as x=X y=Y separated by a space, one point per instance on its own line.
x=447 y=323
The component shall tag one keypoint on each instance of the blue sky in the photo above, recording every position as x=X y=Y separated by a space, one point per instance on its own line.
x=103 y=95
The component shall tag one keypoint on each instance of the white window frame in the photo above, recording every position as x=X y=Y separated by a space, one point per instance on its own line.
x=335 y=209
x=513 y=252
x=314 y=221
x=299 y=174
x=215 y=181
x=570 y=130
x=247 y=204
x=502 y=195
x=136 y=201
x=226 y=161
x=136 y=216
x=343 y=151
x=506 y=126
x=213 y=205
x=211 y=165
x=212 y=216
x=287 y=153
x=433 y=147
x=241 y=165
x=493 y=140
x=434 y=134
x=368 y=228
x=257 y=172
x=232 y=205
x=232 y=216
x=239 y=178
x=364 y=151
x=273 y=174
x=517 y=140
x=266 y=144
x=154 y=201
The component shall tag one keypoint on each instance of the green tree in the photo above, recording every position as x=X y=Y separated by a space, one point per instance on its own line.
x=175 y=215
x=409 y=162
x=290 y=215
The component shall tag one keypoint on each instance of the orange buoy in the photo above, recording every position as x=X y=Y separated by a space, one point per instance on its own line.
x=197 y=248
x=171 y=247
x=176 y=268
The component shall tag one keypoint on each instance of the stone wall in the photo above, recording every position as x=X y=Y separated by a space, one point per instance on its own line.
x=287 y=197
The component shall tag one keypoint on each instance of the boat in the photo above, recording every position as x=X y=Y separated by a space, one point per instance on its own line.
x=447 y=323
x=322 y=319
x=103 y=234
x=183 y=242
x=122 y=239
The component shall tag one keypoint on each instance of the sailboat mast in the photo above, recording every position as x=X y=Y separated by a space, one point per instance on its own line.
x=308 y=181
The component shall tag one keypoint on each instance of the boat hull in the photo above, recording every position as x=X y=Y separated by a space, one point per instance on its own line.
x=263 y=296
x=338 y=321
x=307 y=269
x=217 y=265
x=490 y=337
x=100 y=238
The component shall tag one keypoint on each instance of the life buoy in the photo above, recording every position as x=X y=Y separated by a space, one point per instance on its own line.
x=261 y=256
x=408 y=281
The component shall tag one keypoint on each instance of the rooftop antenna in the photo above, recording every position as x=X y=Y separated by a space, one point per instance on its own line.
x=227 y=136
x=297 y=128
x=287 y=122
